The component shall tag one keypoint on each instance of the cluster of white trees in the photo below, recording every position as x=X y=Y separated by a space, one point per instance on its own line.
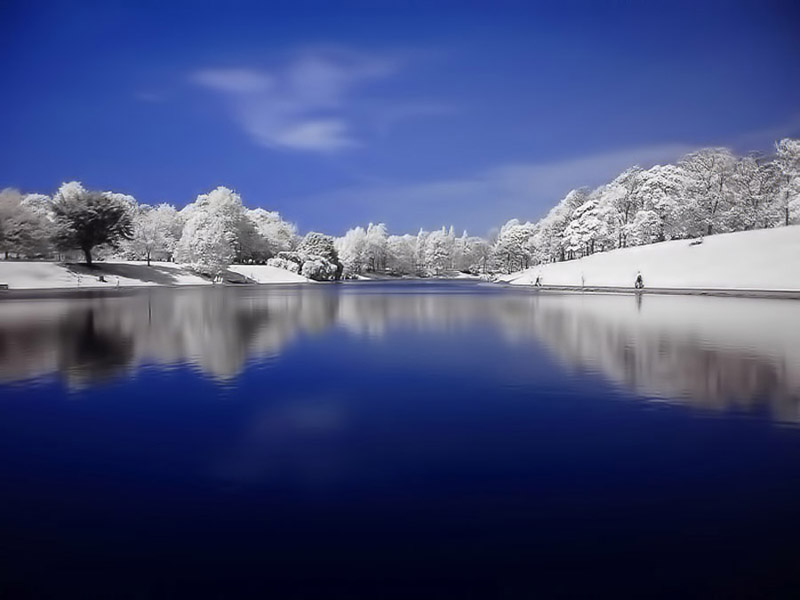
x=709 y=191
x=429 y=253
x=209 y=234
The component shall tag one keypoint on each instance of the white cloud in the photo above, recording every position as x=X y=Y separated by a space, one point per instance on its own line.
x=323 y=135
x=235 y=81
x=765 y=138
x=524 y=190
x=303 y=105
x=491 y=196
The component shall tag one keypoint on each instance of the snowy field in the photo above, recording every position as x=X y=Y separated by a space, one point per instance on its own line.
x=32 y=275
x=267 y=274
x=765 y=259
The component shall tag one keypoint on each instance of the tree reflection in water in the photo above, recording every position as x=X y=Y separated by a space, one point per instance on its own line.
x=714 y=353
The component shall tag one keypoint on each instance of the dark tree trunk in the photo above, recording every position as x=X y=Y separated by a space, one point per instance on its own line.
x=786 y=212
x=148 y=259
x=87 y=253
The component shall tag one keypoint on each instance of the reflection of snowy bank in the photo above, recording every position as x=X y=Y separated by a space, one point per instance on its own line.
x=217 y=330
x=709 y=352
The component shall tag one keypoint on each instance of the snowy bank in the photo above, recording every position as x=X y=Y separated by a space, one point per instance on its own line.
x=267 y=274
x=765 y=259
x=34 y=275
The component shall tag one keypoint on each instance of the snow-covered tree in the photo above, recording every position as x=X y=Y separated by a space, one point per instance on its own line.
x=209 y=241
x=710 y=185
x=550 y=246
x=461 y=252
x=661 y=192
x=314 y=247
x=156 y=232
x=438 y=252
x=24 y=228
x=85 y=219
x=39 y=204
x=645 y=229
x=352 y=250
x=319 y=269
x=585 y=230
x=788 y=172
x=755 y=203
x=207 y=245
x=284 y=263
x=280 y=234
x=375 y=246
x=421 y=246
x=263 y=234
x=470 y=253
x=318 y=244
x=619 y=201
x=401 y=254
x=479 y=251
x=512 y=250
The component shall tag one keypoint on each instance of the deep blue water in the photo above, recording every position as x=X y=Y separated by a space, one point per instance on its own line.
x=398 y=440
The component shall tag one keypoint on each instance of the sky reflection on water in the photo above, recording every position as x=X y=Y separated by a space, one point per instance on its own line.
x=397 y=440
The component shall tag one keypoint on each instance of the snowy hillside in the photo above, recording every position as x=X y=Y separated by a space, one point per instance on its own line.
x=267 y=274
x=766 y=259
x=31 y=275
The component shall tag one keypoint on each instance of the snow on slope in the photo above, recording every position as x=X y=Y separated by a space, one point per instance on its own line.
x=765 y=259
x=32 y=275
x=50 y=275
x=267 y=274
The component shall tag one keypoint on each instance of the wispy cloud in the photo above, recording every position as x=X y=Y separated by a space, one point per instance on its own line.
x=523 y=190
x=304 y=104
x=491 y=196
x=234 y=81
x=763 y=139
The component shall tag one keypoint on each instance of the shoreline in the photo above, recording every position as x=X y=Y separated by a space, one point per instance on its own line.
x=96 y=291
x=43 y=277
x=661 y=291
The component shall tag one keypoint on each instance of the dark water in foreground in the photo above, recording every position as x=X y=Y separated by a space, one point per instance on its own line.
x=408 y=440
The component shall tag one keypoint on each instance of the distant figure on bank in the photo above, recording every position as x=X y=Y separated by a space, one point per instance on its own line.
x=538 y=281
x=639 y=281
x=117 y=281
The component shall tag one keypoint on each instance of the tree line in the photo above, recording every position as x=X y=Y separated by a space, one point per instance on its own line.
x=706 y=192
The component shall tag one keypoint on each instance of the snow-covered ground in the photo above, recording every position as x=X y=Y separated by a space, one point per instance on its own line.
x=267 y=274
x=765 y=259
x=30 y=275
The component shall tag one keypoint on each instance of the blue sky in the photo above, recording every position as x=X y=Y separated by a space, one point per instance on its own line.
x=414 y=113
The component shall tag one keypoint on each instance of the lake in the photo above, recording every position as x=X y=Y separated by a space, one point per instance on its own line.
x=398 y=440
